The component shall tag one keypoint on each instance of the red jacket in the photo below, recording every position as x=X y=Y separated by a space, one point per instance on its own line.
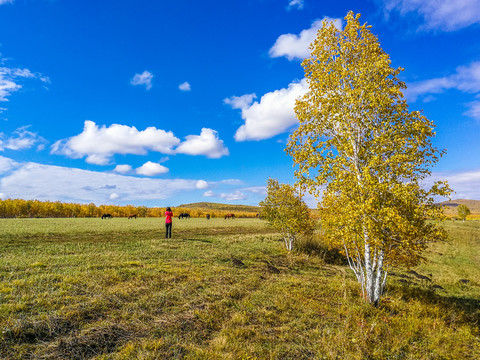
x=168 y=217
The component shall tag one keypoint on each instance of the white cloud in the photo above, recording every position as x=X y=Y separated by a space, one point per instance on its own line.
x=474 y=110
x=10 y=78
x=466 y=184
x=22 y=139
x=233 y=196
x=144 y=78
x=240 y=102
x=114 y=196
x=465 y=79
x=229 y=196
x=260 y=190
x=447 y=15
x=123 y=169
x=231 y=182
x=297 y=46
x=55 y=183
x=273 y=115
x=207 y=143
x=151 y=169
x=237 y=195
x=6 y=2
x=295 y=4
x=201 y=184
x=185 y=86
x=209 y=193
x=99 y=144
x=7 y=86
x=7 y=164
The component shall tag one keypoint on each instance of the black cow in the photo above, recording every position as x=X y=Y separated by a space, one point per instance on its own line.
x=184 y=216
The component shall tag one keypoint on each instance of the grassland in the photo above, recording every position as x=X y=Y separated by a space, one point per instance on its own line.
x=116 y=289
x=451 y=208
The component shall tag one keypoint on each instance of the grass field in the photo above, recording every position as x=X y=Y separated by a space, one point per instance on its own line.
x=219 y=289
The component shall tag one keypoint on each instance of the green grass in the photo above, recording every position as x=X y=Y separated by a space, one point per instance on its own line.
x=219 y=289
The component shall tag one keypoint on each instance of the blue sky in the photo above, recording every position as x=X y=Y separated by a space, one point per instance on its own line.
x=167 y=102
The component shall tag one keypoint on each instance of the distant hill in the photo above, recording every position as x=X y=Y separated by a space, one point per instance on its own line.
x=451 y=206
x=217 y=206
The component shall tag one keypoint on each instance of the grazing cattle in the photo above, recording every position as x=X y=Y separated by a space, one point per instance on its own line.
x=184 y=216
x=208 y=216
x=107 y=216
x=133 y=216
x=230 y=216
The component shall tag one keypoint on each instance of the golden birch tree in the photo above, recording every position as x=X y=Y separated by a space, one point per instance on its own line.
x=284 y=208
x=463 y=211
x=360 y=149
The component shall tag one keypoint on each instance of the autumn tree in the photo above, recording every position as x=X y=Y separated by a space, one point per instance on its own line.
x=361 y=151
x=463 y=211
x=284 y=208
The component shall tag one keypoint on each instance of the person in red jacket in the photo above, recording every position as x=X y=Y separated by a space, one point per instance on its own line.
x=168 y=223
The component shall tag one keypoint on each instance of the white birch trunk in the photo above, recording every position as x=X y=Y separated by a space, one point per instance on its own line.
x=289 y=242
x=377 y=290
x=370 y=274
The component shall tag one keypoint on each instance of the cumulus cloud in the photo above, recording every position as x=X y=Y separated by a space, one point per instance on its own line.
x=99 y=144
x=207 y=143
x=446 y=15
x=273 y=115
x=20 y=140
x=185 y=86
x=45 y=182
x=465 y=79
x=297 y=46
x=298 y=4
x=10 y=79
x=144 y=78
x=151 y=169
x=122 y=169
x=201 y=184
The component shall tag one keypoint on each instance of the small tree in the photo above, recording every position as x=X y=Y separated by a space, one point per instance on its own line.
x=286 y=211
x=359 y=142
x=463 y=211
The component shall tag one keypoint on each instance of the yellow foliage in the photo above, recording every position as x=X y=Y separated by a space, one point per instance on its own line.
x=361 y=149
x=11 y=208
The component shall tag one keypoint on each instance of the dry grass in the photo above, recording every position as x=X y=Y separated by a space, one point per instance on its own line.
x=87 y=289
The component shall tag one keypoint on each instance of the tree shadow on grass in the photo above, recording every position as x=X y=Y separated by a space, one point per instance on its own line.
x=465 y=311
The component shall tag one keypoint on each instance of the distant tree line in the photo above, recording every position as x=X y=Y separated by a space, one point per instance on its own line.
x=18 y=208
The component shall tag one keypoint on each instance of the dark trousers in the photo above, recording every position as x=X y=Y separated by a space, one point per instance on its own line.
x=168 y=230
